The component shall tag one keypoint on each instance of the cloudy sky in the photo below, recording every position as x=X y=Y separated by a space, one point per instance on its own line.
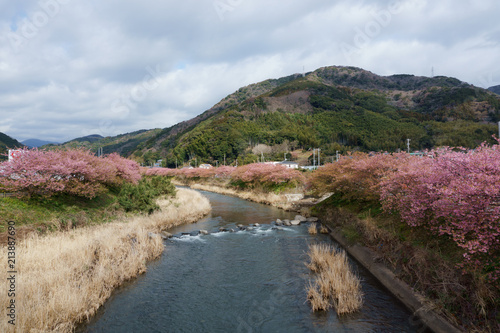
x=70 y=68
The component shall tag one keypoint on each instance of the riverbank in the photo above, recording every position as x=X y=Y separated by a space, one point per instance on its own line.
x=64 y=277
x=438 y=289
x=288 y=202
x=416 y=267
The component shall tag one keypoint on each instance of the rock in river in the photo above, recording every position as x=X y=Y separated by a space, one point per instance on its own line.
x=300 y=218
x=166 y=235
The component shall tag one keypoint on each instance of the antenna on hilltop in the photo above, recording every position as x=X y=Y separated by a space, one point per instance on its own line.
x=432 y=71
x=303 y=71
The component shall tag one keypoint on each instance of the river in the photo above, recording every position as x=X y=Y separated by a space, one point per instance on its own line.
x=246 y=281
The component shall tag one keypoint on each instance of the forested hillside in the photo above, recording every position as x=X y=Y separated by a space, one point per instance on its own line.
x=333 y=108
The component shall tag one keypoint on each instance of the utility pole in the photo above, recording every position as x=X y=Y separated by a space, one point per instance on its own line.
x=499 y=129
x=176 y=162
x=319 y=158
x=408 y=143
x=314 y=158
x=224 y=159
x=337 y=155
x=285 y=156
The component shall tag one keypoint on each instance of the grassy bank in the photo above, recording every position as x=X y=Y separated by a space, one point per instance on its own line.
x=426 y=263
x=63 y=212
x=64 y=277
x=268 y=198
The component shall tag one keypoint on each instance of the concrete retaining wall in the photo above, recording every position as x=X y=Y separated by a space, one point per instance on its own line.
x=423 y=318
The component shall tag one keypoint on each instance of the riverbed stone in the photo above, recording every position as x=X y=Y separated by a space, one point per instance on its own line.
x=241 y=226
x=256 y=225
x=279 y=222
x=300 y=218
x=295 y=222
x=152 y=235
x=166 y=235
x=221 y=229
x=287 y=222
x=312 y=219
x=203 y=232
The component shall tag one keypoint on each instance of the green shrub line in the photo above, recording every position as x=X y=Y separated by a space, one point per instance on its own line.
x=64 y=211
x=141 y=197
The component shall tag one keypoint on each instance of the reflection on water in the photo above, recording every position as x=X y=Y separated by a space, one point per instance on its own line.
x=246 y=281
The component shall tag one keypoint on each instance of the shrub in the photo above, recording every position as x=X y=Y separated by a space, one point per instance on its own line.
x=162 y=185
x=74 y=171
x=141 y=197
x=455 y=193
x=356 y=176
x=274 y=177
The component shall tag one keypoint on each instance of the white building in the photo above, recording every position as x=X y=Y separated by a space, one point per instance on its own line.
x=289 y=164
x=205 y=166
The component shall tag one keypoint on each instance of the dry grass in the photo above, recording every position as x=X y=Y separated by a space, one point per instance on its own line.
x=323 y=229
x=276 y=200
x=335 y=286
x=65 y=277
x=426 y=263
x=314 y=296
x=313 y=229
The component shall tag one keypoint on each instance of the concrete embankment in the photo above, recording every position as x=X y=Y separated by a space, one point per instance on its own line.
x=423 y=316
x=64 y=277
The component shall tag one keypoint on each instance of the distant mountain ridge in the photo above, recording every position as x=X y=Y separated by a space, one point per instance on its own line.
x=89 y=138
x=35 y=143
x=124 y=144
x=495 y=89
x=333 y=108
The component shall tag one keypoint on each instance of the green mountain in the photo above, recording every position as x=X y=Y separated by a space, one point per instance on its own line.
x=333 y=108
x=33 y=143
x=124 y=144
x=495 y=89
x=6 y=143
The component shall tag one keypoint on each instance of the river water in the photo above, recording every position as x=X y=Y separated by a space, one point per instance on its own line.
x=246 y=281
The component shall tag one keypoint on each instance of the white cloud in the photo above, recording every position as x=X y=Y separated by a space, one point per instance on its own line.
x=79 y=68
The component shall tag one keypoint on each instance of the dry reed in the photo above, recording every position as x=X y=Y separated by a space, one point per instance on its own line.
x=64 y=277
x=323 y=229
x=335 y=286
x=276 y=200
x=313 y=229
